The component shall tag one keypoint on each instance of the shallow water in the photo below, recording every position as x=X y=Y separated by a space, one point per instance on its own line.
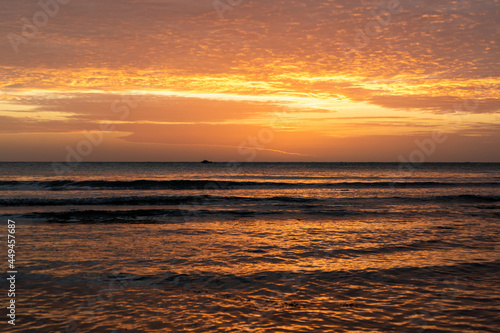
x=329 y=258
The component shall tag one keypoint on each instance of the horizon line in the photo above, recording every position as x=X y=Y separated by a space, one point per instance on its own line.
x=200 y=162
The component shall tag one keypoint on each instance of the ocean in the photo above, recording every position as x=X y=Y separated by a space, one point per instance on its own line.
x=254 y=247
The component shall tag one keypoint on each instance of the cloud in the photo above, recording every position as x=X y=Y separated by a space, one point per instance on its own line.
x=438 y=104
x=226 y=77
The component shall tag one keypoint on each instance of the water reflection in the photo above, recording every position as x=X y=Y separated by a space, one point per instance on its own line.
x=261 y=276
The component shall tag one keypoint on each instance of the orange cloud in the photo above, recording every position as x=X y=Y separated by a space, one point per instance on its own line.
x=202 y=80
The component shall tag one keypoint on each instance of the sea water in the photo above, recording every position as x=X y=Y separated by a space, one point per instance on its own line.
x=255 y=247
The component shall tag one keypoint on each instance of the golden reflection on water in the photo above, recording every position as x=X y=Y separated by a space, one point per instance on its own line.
x=258 y=276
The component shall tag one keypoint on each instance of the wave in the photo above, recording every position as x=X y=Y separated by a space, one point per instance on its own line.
x=221 y=185
x=466 y=198
x=164 y=200
x=461 y=198
x=142 y=216
x=454 y=276
x=150 y=200
x=342 y=251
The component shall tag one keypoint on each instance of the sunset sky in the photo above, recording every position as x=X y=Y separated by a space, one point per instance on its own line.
x=250 y=80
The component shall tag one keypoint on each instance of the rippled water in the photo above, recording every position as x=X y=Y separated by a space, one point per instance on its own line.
x=264 y=248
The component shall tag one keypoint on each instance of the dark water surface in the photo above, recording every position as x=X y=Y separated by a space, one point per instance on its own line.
x=255 y=247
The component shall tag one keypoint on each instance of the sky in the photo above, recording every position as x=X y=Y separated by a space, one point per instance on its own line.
x=250 y=80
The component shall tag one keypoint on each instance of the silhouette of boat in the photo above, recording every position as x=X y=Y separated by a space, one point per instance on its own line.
x=206 y=161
